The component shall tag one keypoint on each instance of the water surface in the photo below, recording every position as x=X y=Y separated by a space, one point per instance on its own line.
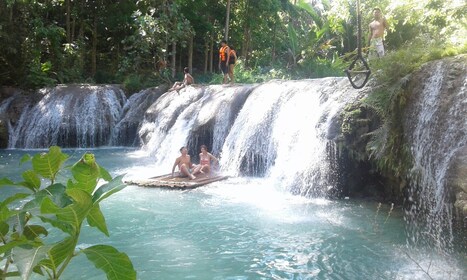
x=247 y=228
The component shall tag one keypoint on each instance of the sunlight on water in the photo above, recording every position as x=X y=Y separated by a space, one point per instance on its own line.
x=246 y=228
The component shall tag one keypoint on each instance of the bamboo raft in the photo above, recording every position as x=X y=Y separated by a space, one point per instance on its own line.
x=177 y=183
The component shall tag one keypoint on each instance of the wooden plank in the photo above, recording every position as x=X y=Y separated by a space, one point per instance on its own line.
x=181 y=183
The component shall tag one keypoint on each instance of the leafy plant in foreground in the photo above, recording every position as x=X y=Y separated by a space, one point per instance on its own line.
x=27 y=216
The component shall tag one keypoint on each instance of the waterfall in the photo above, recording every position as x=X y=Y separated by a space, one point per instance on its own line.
x=282 y=133
x=185 y=118
x=279 y=129
x=436 y=132
x=69 y=116
x=126 y=129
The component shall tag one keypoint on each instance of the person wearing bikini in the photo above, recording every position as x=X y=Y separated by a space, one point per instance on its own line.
x=205 y=158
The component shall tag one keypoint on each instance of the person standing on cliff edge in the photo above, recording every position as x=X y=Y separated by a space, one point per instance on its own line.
x=376 y=35
x=224 y=56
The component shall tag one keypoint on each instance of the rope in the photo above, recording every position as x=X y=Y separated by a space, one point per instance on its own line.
x=359 y=55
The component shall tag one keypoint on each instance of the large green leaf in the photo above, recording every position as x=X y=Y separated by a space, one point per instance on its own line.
x=24 y=159
x=32 y=232
x=31 y=179
x=5 y=213
x=4 y=228
x=105 y=174
x=74 y=213
x=12 y=274
x=48 y=164
x=115 y=264
x=12 y=198
x=63 y=226
x=59 y=252
x=12 y=244
x=7 y=182
x=55 y=192
x=86 y=173
x=26 y=259
x=108 y=189
x=293 y=39
x=49 y=207
x=312 y=12
x=96 y=219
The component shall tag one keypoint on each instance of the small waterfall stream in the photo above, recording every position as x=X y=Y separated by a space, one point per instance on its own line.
x=71 y=116
x=436 y=132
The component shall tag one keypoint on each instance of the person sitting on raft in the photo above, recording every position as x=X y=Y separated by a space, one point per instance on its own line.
x=187 y=80
x=205 y=161
x=184 y=164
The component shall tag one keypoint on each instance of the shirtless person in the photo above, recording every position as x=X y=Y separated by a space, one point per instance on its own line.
x=184 y=164
x=187 y=80
x=205 y=161
x=377 y=28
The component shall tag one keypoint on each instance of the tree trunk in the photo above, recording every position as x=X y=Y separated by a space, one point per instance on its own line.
x=73 y=26
x=180 y=59
x=227 y=18
x=94 y=49
x=81 y=48
x=190 y=54
x=68 y=25
x=174 y=58
x=273 y=52
x=211 y=56
x=206 y=55
x=246 y=33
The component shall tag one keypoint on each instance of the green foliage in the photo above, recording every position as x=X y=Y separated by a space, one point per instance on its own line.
x=134 y=82
x=388 y=101
x=24 y=245
x=114 y=41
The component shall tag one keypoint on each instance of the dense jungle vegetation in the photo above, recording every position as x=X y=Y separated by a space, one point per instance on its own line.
x=146 y=42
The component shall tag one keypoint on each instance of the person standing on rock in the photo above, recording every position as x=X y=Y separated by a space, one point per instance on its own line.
x=376 y=36
x=224 y=56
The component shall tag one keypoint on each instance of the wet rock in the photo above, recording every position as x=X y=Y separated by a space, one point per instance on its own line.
x=458 y=182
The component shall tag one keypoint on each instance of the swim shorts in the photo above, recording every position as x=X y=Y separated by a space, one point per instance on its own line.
x=377 y=47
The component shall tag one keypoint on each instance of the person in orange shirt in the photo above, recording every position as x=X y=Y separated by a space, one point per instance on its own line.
x=224 y=52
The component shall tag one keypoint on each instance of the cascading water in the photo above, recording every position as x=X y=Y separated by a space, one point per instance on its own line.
x=177 y=119
x=436 y=131
x=71 y=116
x=281 y=131
x=125 y=130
